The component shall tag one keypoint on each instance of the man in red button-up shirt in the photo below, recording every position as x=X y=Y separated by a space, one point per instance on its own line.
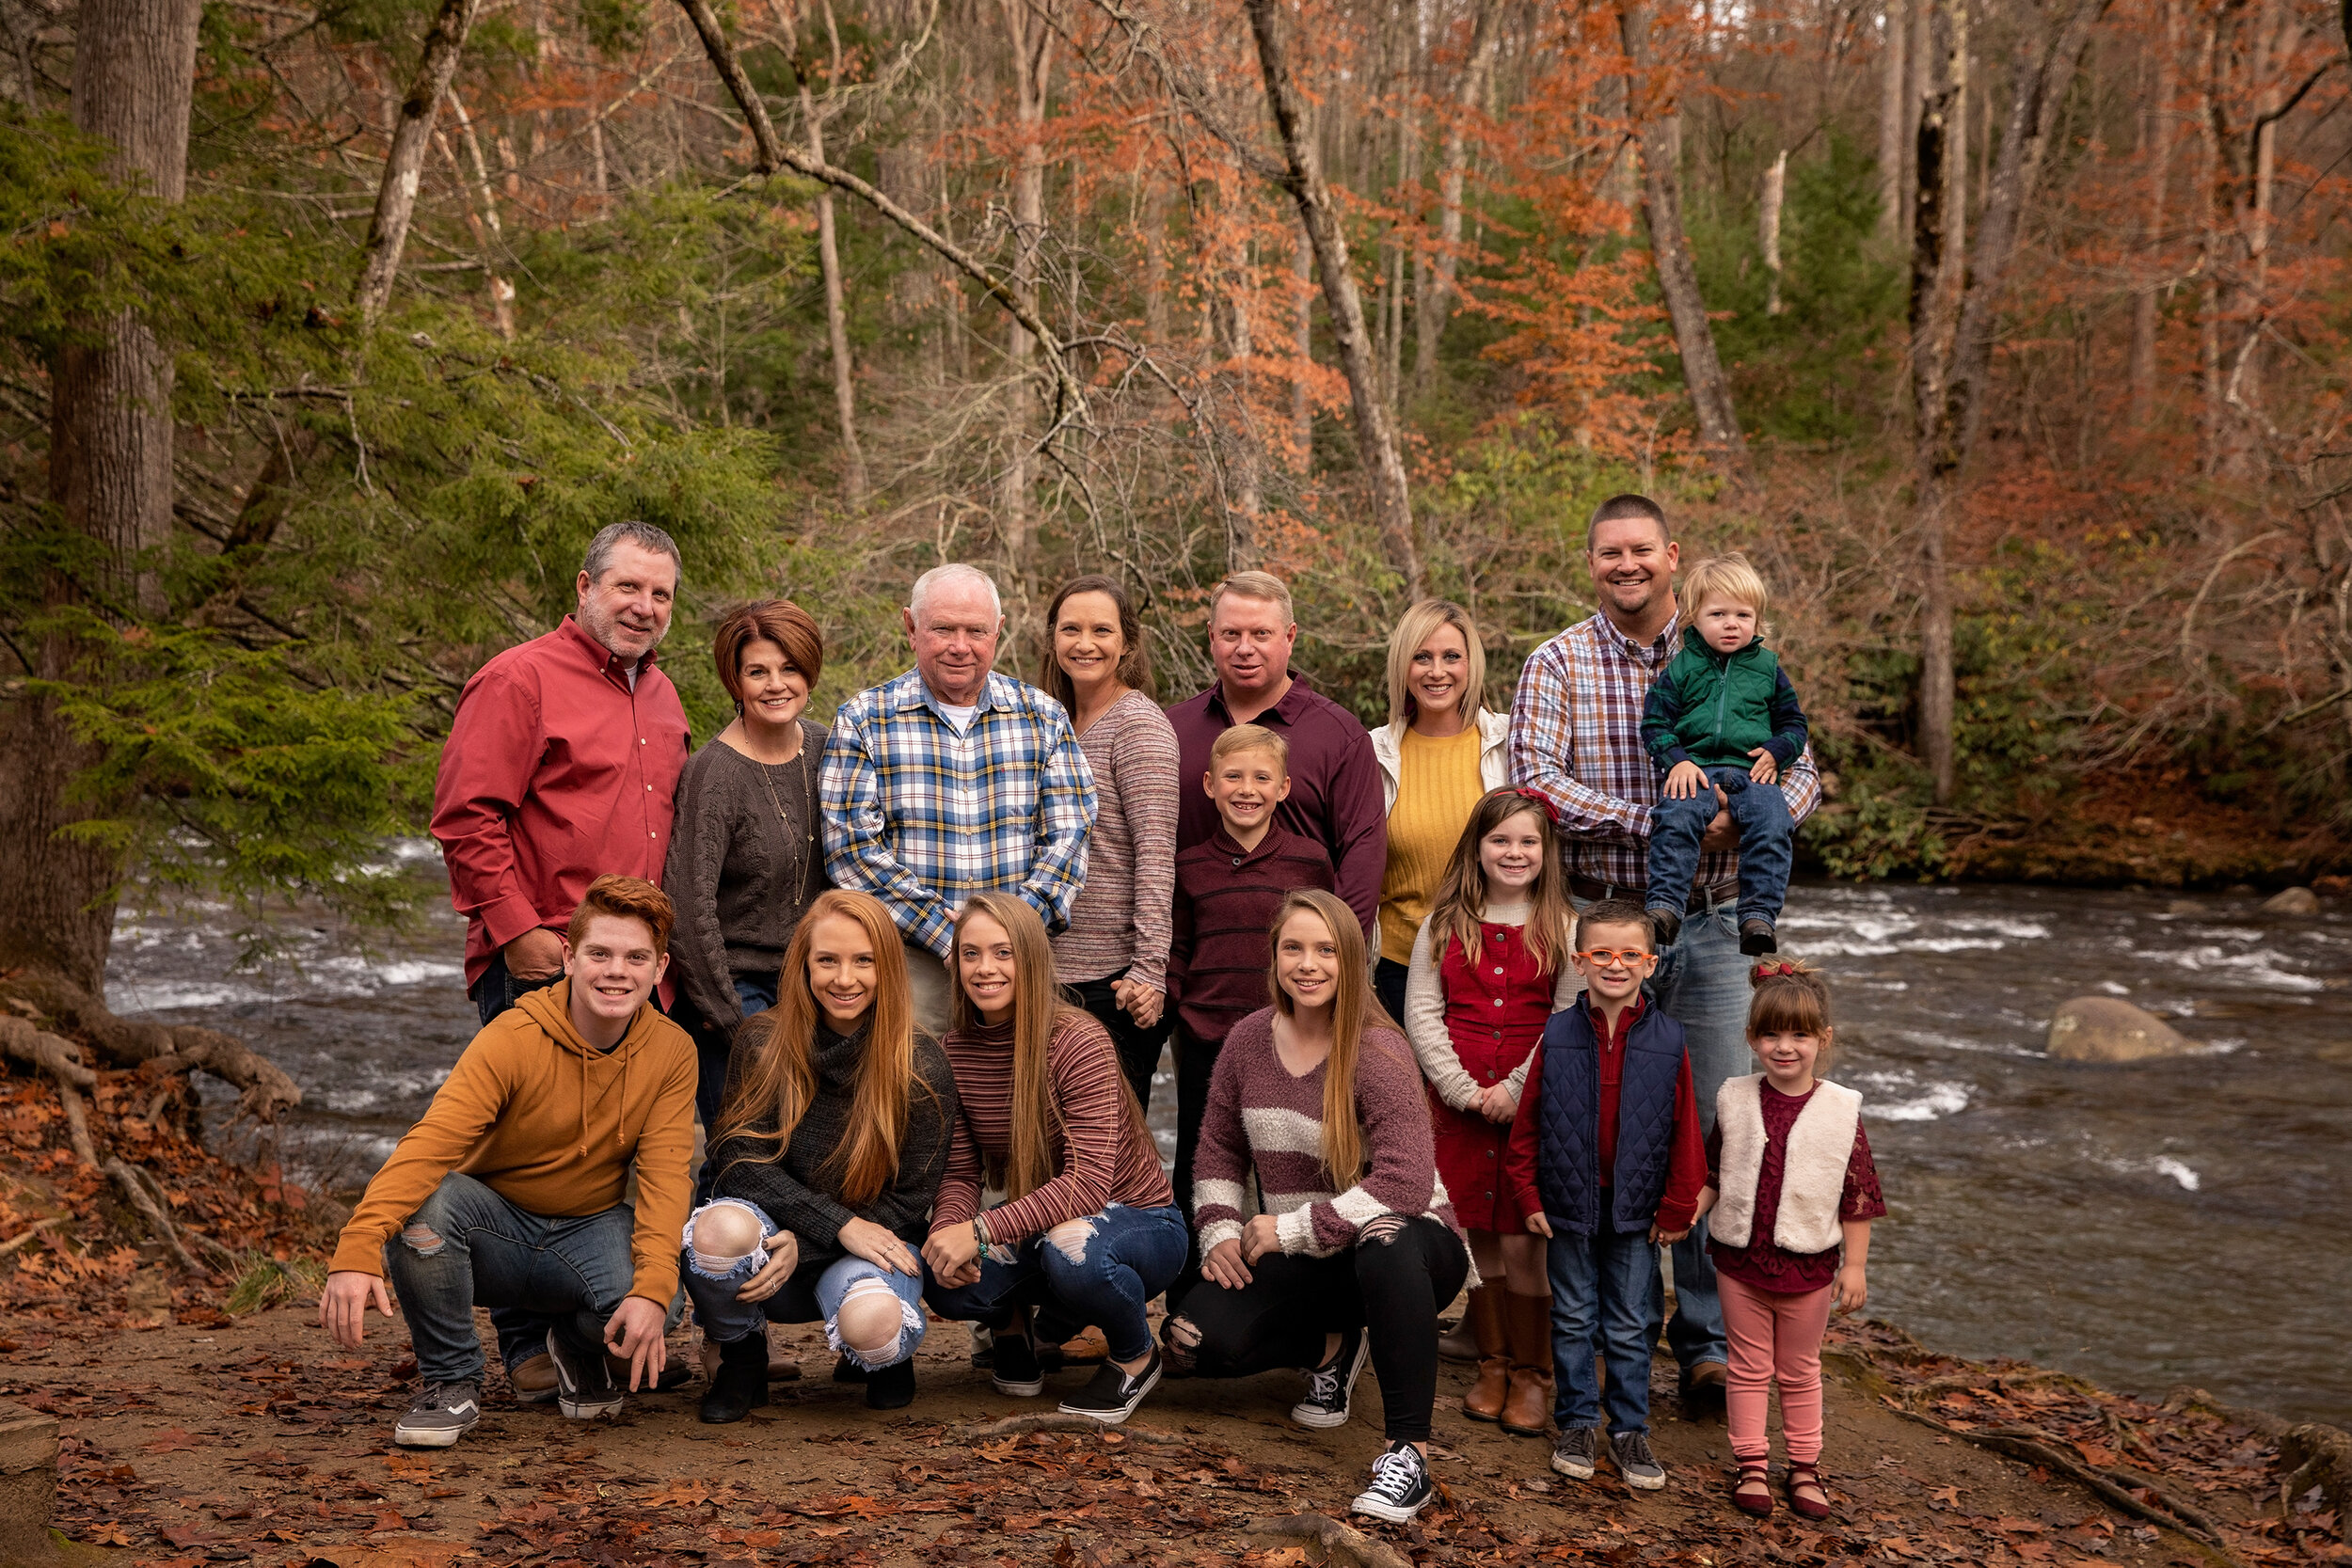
x=562 y=765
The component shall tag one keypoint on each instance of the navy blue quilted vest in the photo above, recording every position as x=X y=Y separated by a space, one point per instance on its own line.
x=1567 y=1160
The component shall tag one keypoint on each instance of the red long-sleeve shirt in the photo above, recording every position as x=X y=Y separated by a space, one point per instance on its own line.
x=1686 y=1165
x=556 y=771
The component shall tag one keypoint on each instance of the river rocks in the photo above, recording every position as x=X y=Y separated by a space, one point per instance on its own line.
x=2300 y=902
x=2103 y=1029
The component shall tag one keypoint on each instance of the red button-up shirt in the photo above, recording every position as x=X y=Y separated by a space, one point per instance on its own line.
x=555 y=773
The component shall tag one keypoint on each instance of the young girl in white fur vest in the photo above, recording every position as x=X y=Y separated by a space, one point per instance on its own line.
x=1789 y=1182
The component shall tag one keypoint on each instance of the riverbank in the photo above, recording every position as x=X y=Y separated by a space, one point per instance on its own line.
x=189 y=1439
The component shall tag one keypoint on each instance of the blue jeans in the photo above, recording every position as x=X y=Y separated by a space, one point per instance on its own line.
x=467 y=1248
x=1604 y=1301
x=497 y=991
x=1133 y=1256
x=810 y=1295
x=1768 y=837
x=1702 y=984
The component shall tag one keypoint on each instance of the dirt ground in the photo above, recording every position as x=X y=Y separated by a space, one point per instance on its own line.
x=259 y=1440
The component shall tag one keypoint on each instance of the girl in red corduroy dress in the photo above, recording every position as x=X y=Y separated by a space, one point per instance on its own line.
x=1489 y=969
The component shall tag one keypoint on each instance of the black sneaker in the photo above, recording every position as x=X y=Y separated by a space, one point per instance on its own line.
x=1330 y=1389
x=1014 y=1370
x=1667 y=925
x=1111 y=1396
x=439 y=1415
x=1400 y=1485
x=846 y=1371
x=1635 y=1463
x=891 y=1389
x=1755 y=937
x=1578 y=1452
x=585 y=1388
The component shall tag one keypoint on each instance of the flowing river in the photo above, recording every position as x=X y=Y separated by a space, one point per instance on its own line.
x=2169 y=1221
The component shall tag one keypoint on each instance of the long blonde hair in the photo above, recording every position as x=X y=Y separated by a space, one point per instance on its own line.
x=1353 y=1010
x=1454 y=913
x=1414 y=628
x=776 y=1048
x=1038 y=1012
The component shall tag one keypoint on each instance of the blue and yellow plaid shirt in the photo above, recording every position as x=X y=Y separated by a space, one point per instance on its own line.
x=922 y=817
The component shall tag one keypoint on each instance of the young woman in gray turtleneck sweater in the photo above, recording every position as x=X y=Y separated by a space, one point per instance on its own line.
x=828 y=1153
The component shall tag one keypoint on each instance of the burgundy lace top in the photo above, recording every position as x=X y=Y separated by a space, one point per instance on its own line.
x=1763 y=1264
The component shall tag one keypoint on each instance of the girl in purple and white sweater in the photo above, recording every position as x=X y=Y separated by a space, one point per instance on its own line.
x=1358 y=1248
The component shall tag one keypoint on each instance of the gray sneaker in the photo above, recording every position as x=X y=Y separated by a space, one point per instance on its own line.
x=439 y=1415
x=1577 y=1452
x=585 y=1388
x=1635 y=1463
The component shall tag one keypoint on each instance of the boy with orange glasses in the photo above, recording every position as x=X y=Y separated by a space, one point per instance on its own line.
x=1607 y=1160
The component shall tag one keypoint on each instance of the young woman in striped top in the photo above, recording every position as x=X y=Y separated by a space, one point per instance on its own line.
x=1089 y=1231
x=1356 y=1249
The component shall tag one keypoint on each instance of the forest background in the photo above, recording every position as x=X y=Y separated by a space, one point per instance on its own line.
x=2007 y=336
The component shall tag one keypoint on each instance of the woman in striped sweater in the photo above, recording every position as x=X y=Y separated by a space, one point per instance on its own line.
x=1356 y=1249
x=1089 y=1231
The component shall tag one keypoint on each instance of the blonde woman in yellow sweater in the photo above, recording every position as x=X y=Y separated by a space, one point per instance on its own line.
x=1439 y=752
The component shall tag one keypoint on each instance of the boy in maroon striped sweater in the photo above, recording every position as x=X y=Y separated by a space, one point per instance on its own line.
x=1227 y=889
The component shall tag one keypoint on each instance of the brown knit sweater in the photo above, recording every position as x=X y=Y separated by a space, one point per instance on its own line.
x=739 y=874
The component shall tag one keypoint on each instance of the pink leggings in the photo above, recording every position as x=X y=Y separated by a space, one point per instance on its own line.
x=1773 y=1336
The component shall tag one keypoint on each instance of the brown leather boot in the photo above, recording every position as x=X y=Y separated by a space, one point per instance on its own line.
x=1483 y=1403
x=1527 y=1405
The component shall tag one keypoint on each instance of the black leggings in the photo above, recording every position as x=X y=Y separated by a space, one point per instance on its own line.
x=1391 y=1287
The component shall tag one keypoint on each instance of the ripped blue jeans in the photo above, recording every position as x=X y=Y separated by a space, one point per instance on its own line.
x=814 y=1293
x=465 y=1246
x=1099 y=1269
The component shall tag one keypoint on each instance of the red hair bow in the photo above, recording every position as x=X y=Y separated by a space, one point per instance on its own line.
x=1782 y=970
x=1541 y=799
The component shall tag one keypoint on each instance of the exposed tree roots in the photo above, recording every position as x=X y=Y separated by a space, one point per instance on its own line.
x=1340 y=1544
x=52 y=1013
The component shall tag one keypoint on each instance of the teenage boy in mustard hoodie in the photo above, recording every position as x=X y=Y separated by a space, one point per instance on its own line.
x=508 y=1192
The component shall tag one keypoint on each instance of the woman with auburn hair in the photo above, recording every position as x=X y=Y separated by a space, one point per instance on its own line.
x=1114 y=954
x=1089 y=1231
x=1439 y=752
x=834 y=1137
x=1355 y=1247
x=744 y=856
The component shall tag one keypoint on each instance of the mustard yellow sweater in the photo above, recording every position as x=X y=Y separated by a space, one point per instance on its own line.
x=1438 y=786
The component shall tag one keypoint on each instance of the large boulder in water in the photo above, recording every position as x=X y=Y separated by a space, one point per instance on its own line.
x=2105 y=1029
x=2300 y=902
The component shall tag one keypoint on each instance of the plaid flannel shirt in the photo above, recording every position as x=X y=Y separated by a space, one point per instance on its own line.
x=1576 y=739
x=922 y=817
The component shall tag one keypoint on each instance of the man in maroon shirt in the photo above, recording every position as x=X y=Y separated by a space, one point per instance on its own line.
x=1335 y=798
x=562 y=765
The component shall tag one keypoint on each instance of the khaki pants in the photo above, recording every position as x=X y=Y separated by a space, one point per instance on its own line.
x=928 y=983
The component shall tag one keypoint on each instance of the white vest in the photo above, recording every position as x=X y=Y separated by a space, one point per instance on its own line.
x=1812 y=1174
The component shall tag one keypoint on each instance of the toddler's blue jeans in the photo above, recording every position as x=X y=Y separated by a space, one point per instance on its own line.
x=1768 y=838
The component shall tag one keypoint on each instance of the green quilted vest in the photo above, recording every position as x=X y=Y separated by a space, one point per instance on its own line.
x=1726 y=699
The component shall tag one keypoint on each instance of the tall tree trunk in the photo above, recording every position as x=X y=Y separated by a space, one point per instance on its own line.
x=272 y=493
x=1230 y=310
x=1302 y=177
x=110 y=481
x=1768 y=228
x=1303 y=346
x=1032 y=46
x=2156 y=146
x=2209 y=98
x=1429 y=317
x=1894 y=117
x=1955 y=307
x=836 y=318
x=1678 y=279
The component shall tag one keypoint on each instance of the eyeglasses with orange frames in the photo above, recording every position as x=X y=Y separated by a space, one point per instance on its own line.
x=1629 y=956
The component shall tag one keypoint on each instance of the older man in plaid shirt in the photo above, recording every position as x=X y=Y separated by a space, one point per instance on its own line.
x=952 y=780
x=1576 y=739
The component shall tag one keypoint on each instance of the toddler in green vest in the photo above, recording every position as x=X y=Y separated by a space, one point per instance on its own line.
x=1723 y=717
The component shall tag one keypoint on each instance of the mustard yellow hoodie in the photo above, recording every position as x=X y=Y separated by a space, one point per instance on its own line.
x=551 y=1124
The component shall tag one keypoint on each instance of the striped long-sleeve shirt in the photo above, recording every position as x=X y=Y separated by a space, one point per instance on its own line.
x=1576 y=739
x=1106 y=1155
x=922 y=814
x=1259 y=1115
